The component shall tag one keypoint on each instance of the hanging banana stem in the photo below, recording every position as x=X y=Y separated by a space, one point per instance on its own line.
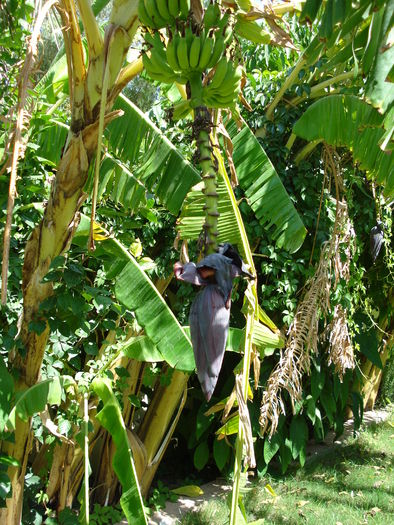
x=202 y=129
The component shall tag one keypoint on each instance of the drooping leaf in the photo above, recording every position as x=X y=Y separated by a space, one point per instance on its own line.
x=345 y=120
x=34 y=399
x=162 y=169
x=298 y=437
x=264 y=190
x=221 y=452
x=271 y=446
x=110 y=417
x=137 y=292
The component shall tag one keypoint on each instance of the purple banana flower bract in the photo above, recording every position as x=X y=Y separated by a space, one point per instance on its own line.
x=210 y=312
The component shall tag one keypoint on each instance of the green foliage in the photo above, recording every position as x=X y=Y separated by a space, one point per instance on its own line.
x=105 y=515
x=160 y=495
x=354 y=124
x=110 y=417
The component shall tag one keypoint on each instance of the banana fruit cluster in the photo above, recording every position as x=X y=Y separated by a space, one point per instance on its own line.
x=190 y=53
x=156 y=64
x=223 y=89
x=157 y=14
x=193 y=52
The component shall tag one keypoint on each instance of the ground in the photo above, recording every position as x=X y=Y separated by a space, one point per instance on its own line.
x=344 y=482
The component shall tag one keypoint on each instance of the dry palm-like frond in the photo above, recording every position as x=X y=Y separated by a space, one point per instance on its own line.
x=340 y=352
x=302 y=340
x=303 y=332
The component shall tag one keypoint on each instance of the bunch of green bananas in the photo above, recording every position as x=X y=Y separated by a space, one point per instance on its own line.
x=156 y=64
x=194 y=53
x=223 y=89
x=162 y=13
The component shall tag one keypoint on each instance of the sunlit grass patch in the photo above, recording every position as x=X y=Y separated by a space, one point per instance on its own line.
x=351 y=484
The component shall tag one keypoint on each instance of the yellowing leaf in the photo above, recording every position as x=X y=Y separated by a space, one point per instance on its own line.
x=99 y=234
x=136 y=248
x=302 y=503
x=193 y=491
x=270 y=490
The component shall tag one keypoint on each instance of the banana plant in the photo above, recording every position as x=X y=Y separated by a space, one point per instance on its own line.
x=53 y=234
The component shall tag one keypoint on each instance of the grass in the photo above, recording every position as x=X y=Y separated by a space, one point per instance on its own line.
x=351 y=484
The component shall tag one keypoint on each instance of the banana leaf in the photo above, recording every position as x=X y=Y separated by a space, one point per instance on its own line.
x=264 y=190
x=136 y=291
x=192 y=216
x=380 y=92
x=345 y=120
x=161 y=168
x=110 y=417
x=34 y=399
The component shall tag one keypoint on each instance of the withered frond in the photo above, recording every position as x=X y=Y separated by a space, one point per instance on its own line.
x=303 y=332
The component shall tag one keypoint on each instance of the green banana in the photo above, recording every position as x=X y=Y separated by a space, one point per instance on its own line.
x=156 y=42
x=161 y=64
x=171 y=54
x=252 y=31
x=206 y=53
x=194 y=54
x=151 y=70
x=145 y=19
x=184 y=6
x=162 y=7
x=218 y=51
x=220 y=73
x=212 y=16
x=173 y=8
x=152 y=11
x=215 y=102
x=182 y=54
x=223 y=22
x=189 y=36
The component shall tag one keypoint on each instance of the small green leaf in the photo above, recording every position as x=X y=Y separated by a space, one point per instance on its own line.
x=298 y=436
x=221 y=453
x=271 y=446
x=201 y=455
x=311 y=409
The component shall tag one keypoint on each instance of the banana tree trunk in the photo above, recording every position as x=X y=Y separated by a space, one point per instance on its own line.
x=53 y=235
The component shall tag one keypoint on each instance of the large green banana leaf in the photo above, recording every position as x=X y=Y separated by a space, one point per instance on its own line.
x=132 y=140
x=379 y=56
x=136 y=291
x=344 y=21
x=192 y=216
x=345 y=120
x=110 y=417
x=161 y=168
x=264 y=190
x=34 y=399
